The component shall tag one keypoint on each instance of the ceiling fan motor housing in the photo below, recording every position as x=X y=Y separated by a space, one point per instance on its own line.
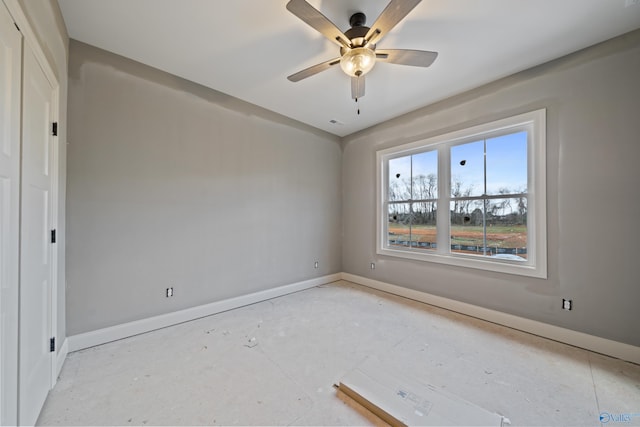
x=357 y=31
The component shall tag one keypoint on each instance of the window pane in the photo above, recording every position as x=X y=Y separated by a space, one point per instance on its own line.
x=400 y=178
x=467 y=169
x=399 y=224
x=423 y=227
x=467 y=231
x=506 y=229
x=425 y=175
x=507 y=164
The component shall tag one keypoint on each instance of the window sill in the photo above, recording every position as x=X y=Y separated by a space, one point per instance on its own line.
x=520 y=268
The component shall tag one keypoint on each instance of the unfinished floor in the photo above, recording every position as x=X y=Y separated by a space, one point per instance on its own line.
x=275 y=363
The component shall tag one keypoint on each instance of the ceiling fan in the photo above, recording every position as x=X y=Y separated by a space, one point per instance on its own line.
x=358 y=53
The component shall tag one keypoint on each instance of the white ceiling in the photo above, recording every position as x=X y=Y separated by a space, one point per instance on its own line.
x=247 y=48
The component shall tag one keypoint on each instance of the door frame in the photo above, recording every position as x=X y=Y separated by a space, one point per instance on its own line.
x=10 y=245
x=31 y=40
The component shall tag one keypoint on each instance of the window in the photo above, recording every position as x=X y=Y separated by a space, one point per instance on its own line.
x=473 y=198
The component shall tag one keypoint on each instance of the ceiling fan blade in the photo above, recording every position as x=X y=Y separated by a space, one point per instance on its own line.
x=416 y=58
x=315 y=69
x=357 y=87
x=317 y=20
x=389 y=18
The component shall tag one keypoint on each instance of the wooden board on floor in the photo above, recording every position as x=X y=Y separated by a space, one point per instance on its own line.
x=405 y=402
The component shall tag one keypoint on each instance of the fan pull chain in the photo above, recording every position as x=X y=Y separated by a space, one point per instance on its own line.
x=358 y=109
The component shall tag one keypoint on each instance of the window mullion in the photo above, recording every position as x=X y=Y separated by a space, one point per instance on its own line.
x=443 y=221
x=410 y=203
x=486 y=202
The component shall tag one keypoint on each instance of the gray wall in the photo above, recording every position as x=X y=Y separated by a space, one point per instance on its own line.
x=593 y=186
x=46 y=20
x=170 y=183
x=174 y=184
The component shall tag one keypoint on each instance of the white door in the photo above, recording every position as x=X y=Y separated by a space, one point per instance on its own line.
x=35 y=240
x=10 y=68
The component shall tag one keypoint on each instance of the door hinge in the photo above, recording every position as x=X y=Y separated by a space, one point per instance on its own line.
x=54 y=128
x=52 y=344
x=53 y=236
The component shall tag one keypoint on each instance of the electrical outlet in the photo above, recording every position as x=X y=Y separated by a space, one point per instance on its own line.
x=567 y=304
x=373 y=265
x=169 y=292
x=315 y=265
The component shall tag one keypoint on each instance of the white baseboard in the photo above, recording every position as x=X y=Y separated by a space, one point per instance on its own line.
x=113 y=333
x=62 y=356
x=579 y=339
x=616 y=349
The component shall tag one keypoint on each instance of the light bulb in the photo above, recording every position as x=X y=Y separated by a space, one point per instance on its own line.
x=358 y=62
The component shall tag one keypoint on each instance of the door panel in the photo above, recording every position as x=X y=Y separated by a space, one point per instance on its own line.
x=10 y=78
x=35 y=250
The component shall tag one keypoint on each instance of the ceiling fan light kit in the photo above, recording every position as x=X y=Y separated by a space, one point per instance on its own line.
x=358 y=62
x=358 y=53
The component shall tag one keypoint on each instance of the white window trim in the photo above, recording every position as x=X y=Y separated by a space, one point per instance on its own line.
x=536 y=265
